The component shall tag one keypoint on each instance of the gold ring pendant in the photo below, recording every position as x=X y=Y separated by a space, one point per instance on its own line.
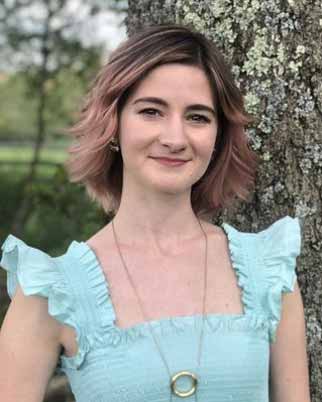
x=184 y=394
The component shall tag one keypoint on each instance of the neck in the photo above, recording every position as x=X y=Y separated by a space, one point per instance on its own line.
x=162 y=226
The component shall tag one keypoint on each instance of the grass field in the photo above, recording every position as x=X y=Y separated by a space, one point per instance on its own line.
x=24 y=153
x=14 y=160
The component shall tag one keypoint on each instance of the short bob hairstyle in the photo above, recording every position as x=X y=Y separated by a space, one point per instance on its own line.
x=230 y=174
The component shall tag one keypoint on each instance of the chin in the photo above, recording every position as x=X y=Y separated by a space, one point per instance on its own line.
x=171 y=186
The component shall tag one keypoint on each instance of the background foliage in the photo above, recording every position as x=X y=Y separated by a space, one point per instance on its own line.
x=50 y=50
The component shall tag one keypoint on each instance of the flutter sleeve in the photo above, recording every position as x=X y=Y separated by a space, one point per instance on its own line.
x=278 y=246
x=40 y=274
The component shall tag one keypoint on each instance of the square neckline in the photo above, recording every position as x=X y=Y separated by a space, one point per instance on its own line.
x=177 y=319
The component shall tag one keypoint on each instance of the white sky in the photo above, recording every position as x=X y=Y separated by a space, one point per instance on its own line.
x=106 y=28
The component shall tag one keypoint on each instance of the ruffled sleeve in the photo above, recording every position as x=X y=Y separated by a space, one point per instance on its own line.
x=278 y=247
x=40 y=274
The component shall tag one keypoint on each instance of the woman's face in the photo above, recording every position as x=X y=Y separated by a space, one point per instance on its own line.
x=170 y=114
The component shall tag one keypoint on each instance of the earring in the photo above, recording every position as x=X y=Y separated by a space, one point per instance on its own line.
x=114 y=146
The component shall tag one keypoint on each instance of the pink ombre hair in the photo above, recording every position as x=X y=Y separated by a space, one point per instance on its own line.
x=231 y=173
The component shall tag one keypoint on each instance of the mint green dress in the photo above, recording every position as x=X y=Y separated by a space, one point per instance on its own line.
x=123 y=365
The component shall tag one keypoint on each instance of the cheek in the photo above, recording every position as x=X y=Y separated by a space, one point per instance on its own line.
x=133 y=135
x=127 y=129
x=206 y=144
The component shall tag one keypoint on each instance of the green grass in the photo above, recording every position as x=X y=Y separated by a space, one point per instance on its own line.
x=24 y=153
x=14 y=160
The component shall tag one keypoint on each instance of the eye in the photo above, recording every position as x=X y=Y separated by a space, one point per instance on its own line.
x=199 y=118
x=149 y=112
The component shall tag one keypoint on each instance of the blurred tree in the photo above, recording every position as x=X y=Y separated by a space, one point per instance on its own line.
x=49 y=52
x=49 y=41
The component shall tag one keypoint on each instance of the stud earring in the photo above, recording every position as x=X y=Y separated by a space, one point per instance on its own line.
x=114 y=146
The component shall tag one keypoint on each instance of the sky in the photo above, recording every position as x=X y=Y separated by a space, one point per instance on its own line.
x=106 y=28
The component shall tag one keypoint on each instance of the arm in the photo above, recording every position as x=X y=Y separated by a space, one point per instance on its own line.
x=29 y=349
x=288 y=364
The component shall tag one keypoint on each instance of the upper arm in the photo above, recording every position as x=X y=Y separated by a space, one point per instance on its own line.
x=29 y=349
x=289 y=377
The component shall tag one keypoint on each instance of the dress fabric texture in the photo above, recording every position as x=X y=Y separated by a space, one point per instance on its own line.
x=119 y=365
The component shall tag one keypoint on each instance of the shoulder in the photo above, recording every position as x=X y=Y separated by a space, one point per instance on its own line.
x=62 y=283
x=268 y=259
x=284 y=233
x=27 y=265
x=103 y=235
x=35 y=270
x=214 y=231
x=269 y=253
x=281 y=240
x=101 y=244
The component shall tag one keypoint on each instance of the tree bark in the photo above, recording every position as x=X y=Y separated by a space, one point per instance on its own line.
x=274 y=48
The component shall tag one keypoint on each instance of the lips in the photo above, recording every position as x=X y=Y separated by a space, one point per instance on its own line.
x=170 y=162
x=170 y=159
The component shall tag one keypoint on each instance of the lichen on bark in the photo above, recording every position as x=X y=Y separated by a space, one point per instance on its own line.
x=274 y=48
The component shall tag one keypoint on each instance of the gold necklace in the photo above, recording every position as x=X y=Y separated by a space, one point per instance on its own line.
x=184 y=373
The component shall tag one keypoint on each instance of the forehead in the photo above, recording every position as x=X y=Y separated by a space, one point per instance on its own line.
x=176 y=81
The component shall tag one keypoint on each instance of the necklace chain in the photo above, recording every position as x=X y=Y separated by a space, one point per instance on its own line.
x=182 y=373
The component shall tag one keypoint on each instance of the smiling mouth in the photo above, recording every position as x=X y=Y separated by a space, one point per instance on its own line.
x=170 y=162
x=170 y=159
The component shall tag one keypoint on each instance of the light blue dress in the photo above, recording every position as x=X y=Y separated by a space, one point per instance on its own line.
x=123 y=365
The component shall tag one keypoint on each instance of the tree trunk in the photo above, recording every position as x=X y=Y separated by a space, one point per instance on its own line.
x=25 y=207
x=275 y=51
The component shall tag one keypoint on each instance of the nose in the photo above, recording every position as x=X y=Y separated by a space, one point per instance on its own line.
x=173 y=134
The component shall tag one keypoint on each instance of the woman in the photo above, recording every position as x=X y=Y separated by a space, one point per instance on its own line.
x=160 y=304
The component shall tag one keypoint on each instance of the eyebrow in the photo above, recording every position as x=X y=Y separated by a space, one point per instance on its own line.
x=159 y=101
